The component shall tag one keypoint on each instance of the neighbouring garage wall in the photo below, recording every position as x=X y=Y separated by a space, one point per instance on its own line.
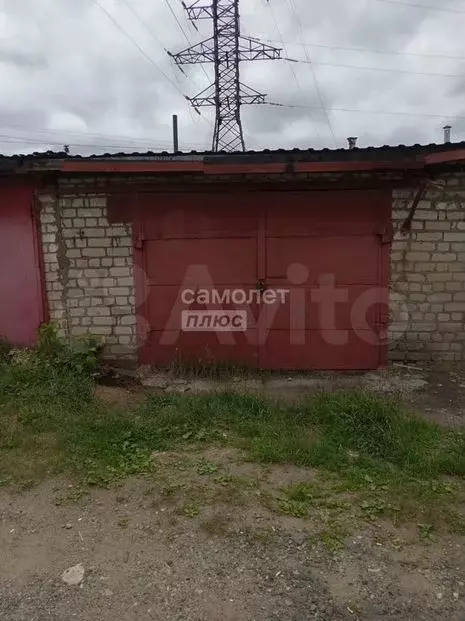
x=428 y=275
x=88 y=266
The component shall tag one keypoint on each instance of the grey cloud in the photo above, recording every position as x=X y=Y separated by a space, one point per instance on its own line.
x=68 y=68
x=23 y=59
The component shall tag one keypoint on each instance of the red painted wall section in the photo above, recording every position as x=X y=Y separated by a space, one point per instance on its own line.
x=21 y=309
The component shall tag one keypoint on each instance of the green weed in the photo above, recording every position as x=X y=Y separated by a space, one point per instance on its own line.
x=206 y=467
x=206 y=367
x=333 y=540
x=50 y=421
x=191 y=510
x=293 y=507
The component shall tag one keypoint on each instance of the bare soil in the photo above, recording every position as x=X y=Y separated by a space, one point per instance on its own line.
x=200 y=540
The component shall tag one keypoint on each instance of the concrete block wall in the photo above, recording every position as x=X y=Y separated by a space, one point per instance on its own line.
x=88 y=265
x=428 y=275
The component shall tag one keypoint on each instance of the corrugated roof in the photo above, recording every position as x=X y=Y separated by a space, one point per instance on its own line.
x=399 y=157
x=266 y=155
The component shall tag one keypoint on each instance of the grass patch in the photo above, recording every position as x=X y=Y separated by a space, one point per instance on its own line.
x=394 y=464
x=206 y=467
x=333 y=540
x=191 y=510
x=57 y=413
x=208 y=368
x=300 y=500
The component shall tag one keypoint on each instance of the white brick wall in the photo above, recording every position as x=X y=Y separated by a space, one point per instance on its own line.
x=428 y=274
x=89 y=272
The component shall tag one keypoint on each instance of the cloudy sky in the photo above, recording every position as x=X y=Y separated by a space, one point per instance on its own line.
x=381 y=70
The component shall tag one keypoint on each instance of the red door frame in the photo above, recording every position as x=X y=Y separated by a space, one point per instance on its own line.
x=140 y=280
x=44 y=311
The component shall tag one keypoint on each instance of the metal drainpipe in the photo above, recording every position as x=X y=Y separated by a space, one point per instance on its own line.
x=407 y=225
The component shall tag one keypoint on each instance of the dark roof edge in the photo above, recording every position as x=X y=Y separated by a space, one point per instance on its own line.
x=400 y=156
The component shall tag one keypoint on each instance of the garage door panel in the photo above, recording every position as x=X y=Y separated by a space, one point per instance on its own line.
x=285 y=350
x=166 y=306
x=351 y=260
x=199 y=347
x=202 y=262
x=327 y=213
x=354 y=307
x=198 y=217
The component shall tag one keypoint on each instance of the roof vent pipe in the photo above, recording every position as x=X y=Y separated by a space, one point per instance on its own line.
x=447 y=131
x=352 y=142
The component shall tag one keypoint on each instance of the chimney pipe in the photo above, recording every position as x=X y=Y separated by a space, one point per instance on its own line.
x=175 y=134
x=447 y=132
x=352 y=142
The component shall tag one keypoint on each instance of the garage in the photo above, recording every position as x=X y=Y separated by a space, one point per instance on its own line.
x=267 y=279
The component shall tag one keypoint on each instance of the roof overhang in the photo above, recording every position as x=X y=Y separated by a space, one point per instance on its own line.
x=401 y=161
x=448 y=157
x=207 y=168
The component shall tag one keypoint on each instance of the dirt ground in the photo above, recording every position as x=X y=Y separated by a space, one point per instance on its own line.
x=198 y=540
x=201 y=539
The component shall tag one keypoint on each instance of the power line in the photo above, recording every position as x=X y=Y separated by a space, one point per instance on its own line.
x=425 y=7
x=155 y=38
x=385 y=69
x=382 y=112
x=167 y=2
x=25 y=140
x=368 y=50
x=125 y=143
x=142 y=21
x=63 y=133
x=315 y=78
x=137 y=46
x=297 y=81
x=146 y=56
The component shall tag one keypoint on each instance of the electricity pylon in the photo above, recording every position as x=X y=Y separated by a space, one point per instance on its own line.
x=226 y=49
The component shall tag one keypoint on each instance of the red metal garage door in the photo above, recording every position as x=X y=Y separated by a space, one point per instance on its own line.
x=280 y=280
x=329 y=250
x=21 y=310
x=194 y=245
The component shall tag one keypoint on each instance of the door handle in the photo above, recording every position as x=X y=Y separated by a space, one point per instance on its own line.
x=261 y=286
